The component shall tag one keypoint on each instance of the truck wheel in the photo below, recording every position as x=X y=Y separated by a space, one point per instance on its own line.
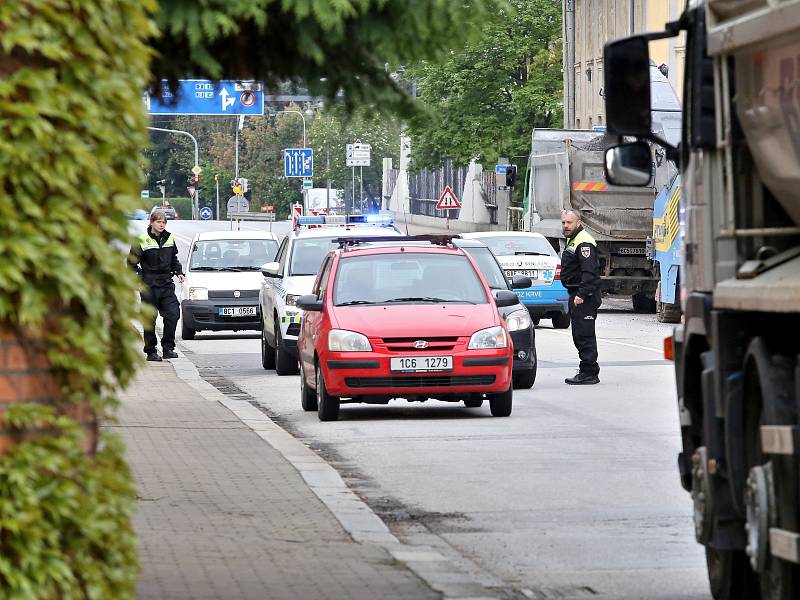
x=186 y=333
x=561 y=321
x=642 y=303
x=730 y=576
x=327 y=406
x=285 y=363
x=267 y=353
x=308 y=396
x=500 y=403
x=668 y=313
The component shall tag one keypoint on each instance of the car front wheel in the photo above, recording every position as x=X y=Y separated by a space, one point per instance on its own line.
x=267 y=353
x=327 y=406
x=500 y=403
x=285 y=364
x=187 y=333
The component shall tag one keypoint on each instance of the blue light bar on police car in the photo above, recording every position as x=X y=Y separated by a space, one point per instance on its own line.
x=343 y=221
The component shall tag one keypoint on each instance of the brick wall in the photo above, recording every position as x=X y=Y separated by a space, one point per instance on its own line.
x=26 y=376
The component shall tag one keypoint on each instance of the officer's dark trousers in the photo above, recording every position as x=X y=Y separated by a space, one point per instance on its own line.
x=582 y=317
x=162 y=297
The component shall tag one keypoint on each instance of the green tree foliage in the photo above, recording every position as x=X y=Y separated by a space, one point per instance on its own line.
x=330 y=46
x=71 y=131
x=484 y=100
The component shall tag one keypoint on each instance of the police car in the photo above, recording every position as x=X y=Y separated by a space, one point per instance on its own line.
x=292 y=275
x=530 y=254
x=221 y=287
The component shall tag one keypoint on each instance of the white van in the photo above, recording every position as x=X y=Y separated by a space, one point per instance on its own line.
x=223 y=280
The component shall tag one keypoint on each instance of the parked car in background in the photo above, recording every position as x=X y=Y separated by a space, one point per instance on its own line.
x=518 y=320
x=403 y=320
x=223 y=277
x=531 y=255
x=138 y=215
x=169 y=211
x=292 y=275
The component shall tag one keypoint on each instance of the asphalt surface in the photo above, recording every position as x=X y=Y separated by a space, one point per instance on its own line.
x=576 y=495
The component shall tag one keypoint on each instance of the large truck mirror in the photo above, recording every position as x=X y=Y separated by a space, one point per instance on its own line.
x=629 y=164
x=626 y=64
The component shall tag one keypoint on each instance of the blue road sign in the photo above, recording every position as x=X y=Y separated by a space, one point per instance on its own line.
x=501 y=169
x=205 y=213
x=203 y=97
x=298 y=162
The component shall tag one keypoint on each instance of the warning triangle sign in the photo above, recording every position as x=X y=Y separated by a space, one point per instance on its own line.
x=448 y=200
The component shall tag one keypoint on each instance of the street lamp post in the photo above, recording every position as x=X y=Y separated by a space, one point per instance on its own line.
x=196 y=199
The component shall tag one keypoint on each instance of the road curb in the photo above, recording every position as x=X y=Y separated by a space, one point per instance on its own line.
x=353 y=514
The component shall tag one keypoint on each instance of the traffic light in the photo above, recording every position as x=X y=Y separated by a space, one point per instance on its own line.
x=196 y=182
x=511 y=175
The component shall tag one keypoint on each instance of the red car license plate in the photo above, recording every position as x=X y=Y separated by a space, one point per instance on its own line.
x=421 y=364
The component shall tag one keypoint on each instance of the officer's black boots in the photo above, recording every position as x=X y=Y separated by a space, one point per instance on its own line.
x=153 y=356
x=582 y=379
x=170 y=354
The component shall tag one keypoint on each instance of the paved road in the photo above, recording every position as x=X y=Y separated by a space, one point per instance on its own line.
x=576 y=495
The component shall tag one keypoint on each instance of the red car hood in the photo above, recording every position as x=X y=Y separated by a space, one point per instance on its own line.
x=416 y=320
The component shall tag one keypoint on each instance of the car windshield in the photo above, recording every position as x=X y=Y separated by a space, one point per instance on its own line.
x=523 y=244
x=410 y=277
x=490 y=270
x=232 y=255
x=307 y=253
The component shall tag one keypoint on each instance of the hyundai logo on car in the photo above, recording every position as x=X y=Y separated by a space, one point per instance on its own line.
x=420 y=344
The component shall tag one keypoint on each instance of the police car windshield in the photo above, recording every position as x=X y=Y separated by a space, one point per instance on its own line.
x=523 y=244
x=410 y=277
x=307 y=254
x=490 y=270
x=232 y=255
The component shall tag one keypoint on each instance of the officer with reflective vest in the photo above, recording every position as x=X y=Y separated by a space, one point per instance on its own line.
x=580 y=274
x=154 y=256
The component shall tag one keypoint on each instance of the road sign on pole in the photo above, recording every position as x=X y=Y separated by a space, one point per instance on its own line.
x=308 y=184
x=203 y=97
x=448 y=200
x=358 y=155
x=205 y=213
x=298 y=162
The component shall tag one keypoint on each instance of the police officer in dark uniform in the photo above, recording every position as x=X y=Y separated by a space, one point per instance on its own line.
x=154 y=256
x=580 y=274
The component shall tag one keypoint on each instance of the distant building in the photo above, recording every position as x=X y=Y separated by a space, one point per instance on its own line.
x=588 y=25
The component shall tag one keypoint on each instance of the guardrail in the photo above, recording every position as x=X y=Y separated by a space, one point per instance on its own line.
x=252 y=216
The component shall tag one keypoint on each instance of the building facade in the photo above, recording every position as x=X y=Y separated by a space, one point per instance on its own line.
x=587 y=26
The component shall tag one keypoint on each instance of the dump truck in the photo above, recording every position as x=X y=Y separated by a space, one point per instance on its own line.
x=565 y=171
x=737 y=351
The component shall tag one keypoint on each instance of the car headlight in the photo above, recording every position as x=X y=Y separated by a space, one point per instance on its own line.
x=341 y=340
x=493 y=337
x=518 y=320
x=198 y=293
x=291 y=299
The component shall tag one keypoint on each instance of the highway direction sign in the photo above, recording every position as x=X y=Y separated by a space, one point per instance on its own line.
x=298 y=162
x=358 y=155
x=203 y=97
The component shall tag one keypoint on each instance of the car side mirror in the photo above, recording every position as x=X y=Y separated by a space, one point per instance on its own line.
x=271 y=269
x=505 y=298
x=520 y=282
x=626 y=86
x=629 y=164
x=309 y=302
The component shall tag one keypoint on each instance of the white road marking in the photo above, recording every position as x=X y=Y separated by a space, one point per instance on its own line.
x=649 y=349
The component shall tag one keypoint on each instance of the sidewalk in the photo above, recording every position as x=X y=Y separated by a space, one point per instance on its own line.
x=223 y=514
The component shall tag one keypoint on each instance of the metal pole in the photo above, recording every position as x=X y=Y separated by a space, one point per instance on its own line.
x=328 y=171
x=216 y=179
x=361 y=188
x=196 y=198
x=236 y=164
x=353 y=190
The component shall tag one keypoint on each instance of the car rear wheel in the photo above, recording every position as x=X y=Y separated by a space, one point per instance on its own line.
x=186 y=333
x=473 y=402
x=267 y=353
x=308 y=396
x=561 y=321
x=500 y=403
x=285 y=363
x=327 y=406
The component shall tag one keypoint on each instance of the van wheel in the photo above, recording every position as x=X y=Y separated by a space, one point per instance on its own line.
x=267 y=353
x=186 y=333
x=561 y=321
x=327 y=406
x=308 y=396
x=524 y=379
x=285 y=363
x=500 y=403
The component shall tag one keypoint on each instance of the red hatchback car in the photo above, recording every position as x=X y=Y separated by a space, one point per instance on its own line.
x=403 y=320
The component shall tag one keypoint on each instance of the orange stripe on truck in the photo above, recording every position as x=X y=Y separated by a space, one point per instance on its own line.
x=589 y=186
